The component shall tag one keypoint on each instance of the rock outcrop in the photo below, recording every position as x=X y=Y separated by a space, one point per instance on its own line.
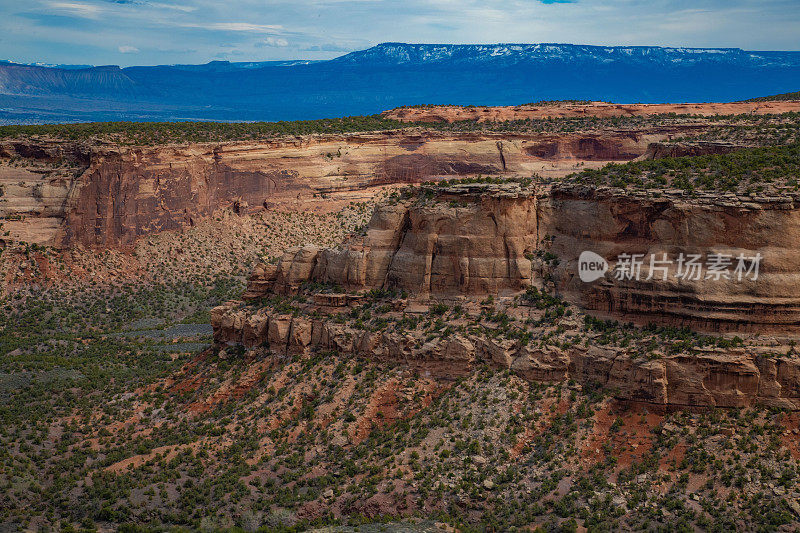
x=673 y=224
x=661 y=150
x=721 y=377
x=476 y=240
x=567 y=109
x=468 y=242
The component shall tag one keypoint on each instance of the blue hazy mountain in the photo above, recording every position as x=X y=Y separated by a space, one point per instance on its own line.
x=391 y=75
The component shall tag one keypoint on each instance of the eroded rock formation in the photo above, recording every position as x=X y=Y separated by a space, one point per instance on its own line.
x=722 y=377
x=661 y=150
x=468 y=242
x=64 y=193
x=475 y=240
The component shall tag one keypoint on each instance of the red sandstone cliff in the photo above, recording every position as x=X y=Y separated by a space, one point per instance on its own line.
x=477 y=240
x=64 y=193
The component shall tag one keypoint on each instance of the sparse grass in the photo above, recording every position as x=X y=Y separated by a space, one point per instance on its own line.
x=148 y=133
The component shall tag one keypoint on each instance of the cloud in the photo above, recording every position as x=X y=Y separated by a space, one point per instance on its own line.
x=277 y=42
x=126 y=49
x=77 y=9
x=174 y=7
x=192 y=31
x=234 y=26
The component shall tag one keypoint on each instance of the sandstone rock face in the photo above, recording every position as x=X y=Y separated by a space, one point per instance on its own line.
x=228 y=327
x=613 y=222
x=479 y=240
x=34 y=187
x=261 y=281
x=733 y=377
x=68 y=193
x=661 y=150
x=477 y=247
x=125 y=194
x=295 y=267
x=587 y=147
x=365 y=263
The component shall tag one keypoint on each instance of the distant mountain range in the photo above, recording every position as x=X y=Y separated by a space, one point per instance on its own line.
x=391 y=75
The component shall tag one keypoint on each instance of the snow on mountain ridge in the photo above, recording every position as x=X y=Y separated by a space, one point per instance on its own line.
x=402 y=53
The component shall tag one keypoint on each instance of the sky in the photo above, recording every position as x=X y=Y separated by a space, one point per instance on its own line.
x=144 y=32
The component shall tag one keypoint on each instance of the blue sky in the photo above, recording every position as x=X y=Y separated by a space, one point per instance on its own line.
x=144 y=32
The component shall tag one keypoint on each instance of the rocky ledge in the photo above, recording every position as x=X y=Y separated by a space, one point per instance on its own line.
x=446 y=278
x=538 y=338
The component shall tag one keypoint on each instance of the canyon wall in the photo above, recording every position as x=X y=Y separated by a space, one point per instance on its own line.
x=64 y=193
x=36 y=178
x=476 y=245
x=475 y=240
x=707 y=377
x=612 y=222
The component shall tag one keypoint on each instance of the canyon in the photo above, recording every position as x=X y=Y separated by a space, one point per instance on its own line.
x=504 y=220
x=223 y=326
x=108 y=191
x=478 y=240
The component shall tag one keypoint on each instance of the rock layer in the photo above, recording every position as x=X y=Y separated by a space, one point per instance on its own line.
x=466 y=242
x=65 y=193
x=488 y=240
x=567 y=109
x=735 y=377
x=613 y=222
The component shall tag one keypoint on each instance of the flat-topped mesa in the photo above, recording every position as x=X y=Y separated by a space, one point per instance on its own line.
x=572 y=109
x=473 y=240
x=65 y=193
x=103 y=192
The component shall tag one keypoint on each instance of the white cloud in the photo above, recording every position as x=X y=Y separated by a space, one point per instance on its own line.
x=126 y=49
x=235 y=26
x=192 y=31
x=174 y=7
x=77 y=8
x=273 y=41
